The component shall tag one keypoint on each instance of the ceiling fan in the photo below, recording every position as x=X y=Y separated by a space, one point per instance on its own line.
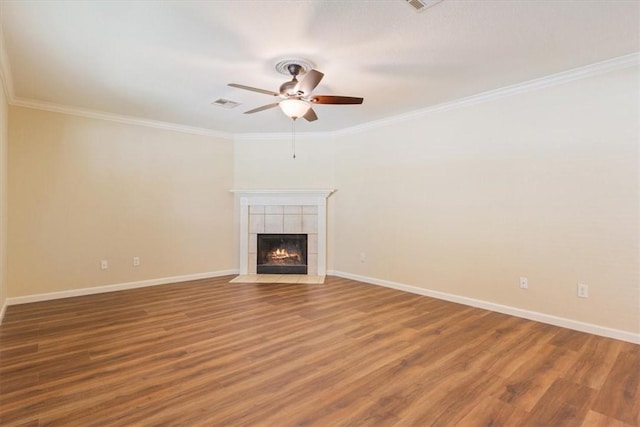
x=296 y=95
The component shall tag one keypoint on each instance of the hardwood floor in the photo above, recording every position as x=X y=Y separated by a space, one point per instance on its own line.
x=210 y=353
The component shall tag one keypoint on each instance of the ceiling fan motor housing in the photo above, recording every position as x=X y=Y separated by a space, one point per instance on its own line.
x=294 y=69
x=288 y=88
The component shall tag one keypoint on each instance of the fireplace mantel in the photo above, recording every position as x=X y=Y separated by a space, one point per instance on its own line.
x=283 y=197
x=288 y=197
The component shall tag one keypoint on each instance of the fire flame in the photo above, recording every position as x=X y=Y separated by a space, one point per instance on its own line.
x=283 y=256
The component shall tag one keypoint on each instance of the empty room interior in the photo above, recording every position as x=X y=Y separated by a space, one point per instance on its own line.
x=320 y=213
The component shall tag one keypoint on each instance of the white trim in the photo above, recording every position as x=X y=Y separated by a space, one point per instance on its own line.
x=308 y=197
x=290 y=192
x=513 y=311
x=116 y=287
x=563 y=77
x=120 y=118
x=591 y=70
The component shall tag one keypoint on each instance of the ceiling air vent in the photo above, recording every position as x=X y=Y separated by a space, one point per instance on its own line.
x=221 y=102
x=420 y=5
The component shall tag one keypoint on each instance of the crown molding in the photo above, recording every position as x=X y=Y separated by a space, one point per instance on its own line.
x=591 y=70
x=7 y=83
x=93 y=114
x=292 y=192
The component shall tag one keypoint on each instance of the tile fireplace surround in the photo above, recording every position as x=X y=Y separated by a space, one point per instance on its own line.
x=284 y=211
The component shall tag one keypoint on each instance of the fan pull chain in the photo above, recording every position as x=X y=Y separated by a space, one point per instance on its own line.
x=293 y=137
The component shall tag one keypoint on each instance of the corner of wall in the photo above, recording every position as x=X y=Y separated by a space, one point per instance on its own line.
x=4 y=125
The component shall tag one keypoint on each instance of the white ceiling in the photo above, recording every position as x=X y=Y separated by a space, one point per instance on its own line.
x=167 y=61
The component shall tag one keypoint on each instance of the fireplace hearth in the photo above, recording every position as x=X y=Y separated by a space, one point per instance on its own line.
x=282 y=254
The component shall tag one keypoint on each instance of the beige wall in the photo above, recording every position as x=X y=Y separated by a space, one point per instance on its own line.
x=268 y=163
x=542 y=184
x=82 y=190
x=4 y=129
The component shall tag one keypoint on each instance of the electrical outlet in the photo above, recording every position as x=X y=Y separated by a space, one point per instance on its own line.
x=136 y=261
x=583 y=290
x=363 y=257
x=104 y=264
x=524 y=283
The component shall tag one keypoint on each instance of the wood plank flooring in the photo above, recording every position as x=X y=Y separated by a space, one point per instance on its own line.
x=210 y=353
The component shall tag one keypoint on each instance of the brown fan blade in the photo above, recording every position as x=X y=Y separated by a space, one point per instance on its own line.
x=310 y=115
x=309 y=82
x=331 y=99
x=254 y=89
x=264 y=107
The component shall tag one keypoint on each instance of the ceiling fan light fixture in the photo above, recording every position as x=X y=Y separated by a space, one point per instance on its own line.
x=294 y=108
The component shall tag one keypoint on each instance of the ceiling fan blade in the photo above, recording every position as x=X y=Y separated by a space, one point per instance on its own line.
x=310 y=115
x=309 y=82
x=254 y=89
x=264 y=107
x=332 y=99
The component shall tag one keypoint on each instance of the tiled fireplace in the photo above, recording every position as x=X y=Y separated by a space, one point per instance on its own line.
x=285 y=213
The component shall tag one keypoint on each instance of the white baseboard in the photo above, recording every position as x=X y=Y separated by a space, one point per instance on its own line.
x=513 y=311
x=112 y=288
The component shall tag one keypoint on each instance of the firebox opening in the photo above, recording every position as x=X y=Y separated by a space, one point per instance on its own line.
x=282 y=254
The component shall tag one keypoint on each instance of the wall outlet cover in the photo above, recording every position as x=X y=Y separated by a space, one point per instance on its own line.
x=524 y=283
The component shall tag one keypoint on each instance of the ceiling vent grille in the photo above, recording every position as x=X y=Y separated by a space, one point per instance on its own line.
x=221 y=102
x=421 y=5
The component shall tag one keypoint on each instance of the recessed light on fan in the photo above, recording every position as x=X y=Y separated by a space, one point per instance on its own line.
x=296 y=95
